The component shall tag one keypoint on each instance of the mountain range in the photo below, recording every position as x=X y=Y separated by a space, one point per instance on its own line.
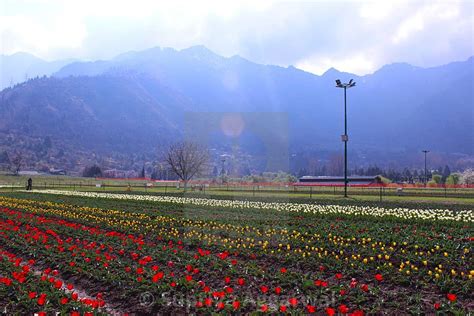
x=139 y=102
x=20 y=67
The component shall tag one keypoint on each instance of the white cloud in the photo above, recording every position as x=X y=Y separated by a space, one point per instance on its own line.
x=412 y=24
x=436 y=12
x=360 y=64
x=22 y=33
x=377 y=10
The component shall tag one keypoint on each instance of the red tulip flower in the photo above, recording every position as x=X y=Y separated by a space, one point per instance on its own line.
x=343 y=309
x=283 y=308
x=353 y=283
x=236 y=305
x=293 y=301
x=379 y=277
x=320 y=283
x=311 y=308
x=264 y=308
x=158 y=276
x=6 y=281
x=451 y=297
x=41 y=300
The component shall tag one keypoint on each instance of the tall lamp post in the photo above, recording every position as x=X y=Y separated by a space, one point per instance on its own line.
x=426 y=171
x=345 y=137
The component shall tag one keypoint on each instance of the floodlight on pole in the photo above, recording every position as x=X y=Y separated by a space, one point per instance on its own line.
x=345 y=137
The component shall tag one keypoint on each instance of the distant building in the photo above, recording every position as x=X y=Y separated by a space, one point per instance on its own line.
x=29 y=173
x=326 y=180
x=54 y=171
x=114 y=173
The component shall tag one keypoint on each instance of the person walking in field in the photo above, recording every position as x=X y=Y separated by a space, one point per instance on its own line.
x=29 y=186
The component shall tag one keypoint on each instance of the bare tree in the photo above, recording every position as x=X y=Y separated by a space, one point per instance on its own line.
x=187 y=159
x=16 y=163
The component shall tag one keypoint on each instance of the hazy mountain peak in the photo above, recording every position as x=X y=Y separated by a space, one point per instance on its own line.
x=201 y=52
x=240 y=59
x=198 y=49
x=397 y=67
x=148 y=53
x=331 y=71
x=22 y=55
x=21 y=66
x=333 y=74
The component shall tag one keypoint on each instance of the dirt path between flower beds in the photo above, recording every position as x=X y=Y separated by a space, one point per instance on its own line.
x=80 y=292
x=38 y=271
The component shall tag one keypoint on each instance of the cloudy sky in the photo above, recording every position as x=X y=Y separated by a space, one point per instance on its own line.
x=353 y=36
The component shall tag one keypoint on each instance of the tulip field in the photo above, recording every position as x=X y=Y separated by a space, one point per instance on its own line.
x=84 y=253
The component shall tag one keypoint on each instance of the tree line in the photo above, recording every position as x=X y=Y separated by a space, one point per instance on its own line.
x=186 y=160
